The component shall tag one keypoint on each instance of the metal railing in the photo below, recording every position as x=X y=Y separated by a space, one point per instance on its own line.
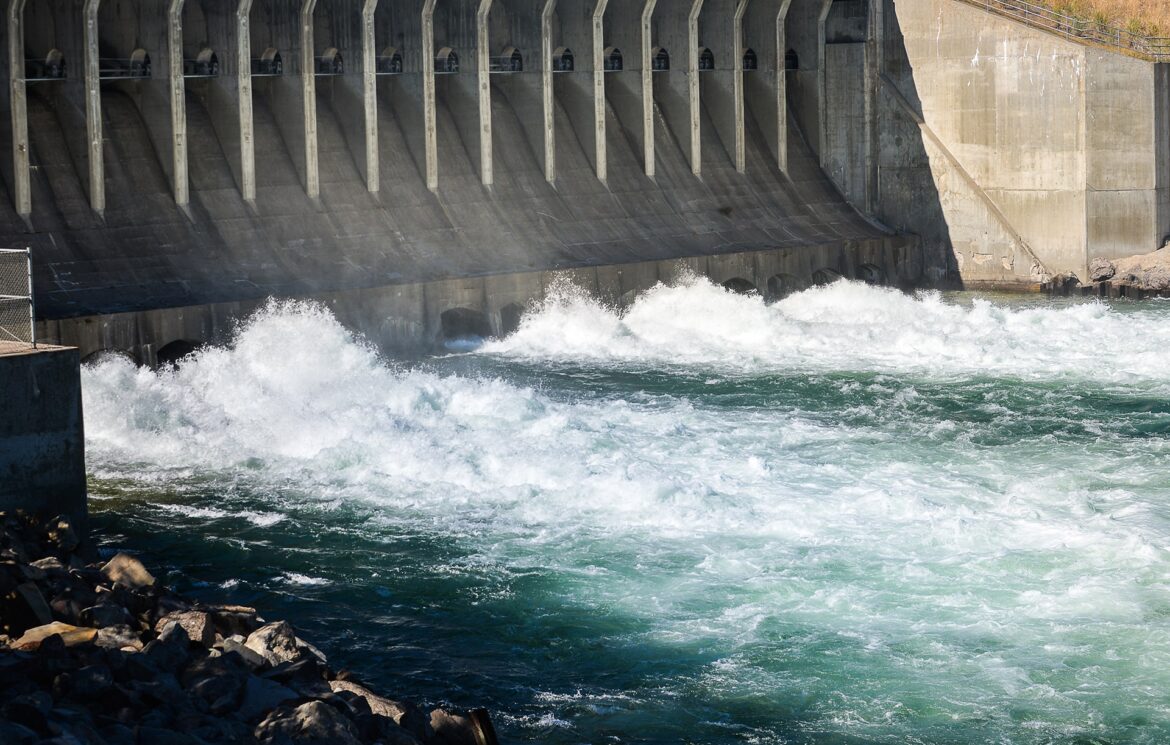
x=1153 y=48
x=17 y=314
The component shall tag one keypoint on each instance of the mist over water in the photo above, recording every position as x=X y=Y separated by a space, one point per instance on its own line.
x=849 y=516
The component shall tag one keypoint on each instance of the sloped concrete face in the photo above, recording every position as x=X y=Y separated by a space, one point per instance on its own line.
x=42 y=444
x=1021 y=154
x=263 y=220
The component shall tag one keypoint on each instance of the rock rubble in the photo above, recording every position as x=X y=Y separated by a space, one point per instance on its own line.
x=102 y=653
x=1148 y=273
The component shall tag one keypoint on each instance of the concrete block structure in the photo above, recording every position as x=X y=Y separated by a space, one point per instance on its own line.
x=42 y=443
x=1015 y=152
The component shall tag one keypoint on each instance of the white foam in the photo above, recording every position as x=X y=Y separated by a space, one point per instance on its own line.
x=847 y=326
x=907 y=540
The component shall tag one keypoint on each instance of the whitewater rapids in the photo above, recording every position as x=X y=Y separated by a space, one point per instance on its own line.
x=852 y=513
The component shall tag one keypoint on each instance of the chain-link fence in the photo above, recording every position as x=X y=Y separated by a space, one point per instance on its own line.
x=1153 y=48
x=17 y=319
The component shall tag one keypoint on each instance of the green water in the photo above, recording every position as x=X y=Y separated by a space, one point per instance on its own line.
x=852 y=516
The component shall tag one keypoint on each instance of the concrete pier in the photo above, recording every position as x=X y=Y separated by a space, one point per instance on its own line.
x=42 y=444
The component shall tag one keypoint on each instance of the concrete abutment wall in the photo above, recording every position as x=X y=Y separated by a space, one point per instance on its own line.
x=1019 y=153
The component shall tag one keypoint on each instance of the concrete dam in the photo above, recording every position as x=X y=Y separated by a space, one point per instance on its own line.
x=426 y=167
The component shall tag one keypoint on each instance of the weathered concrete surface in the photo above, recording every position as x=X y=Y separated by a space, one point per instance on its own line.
x=1020 y=153
x=42 y=444
x=142 y=251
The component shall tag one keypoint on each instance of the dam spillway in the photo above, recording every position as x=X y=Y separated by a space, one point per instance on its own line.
x=203 y=155
x=212 y=152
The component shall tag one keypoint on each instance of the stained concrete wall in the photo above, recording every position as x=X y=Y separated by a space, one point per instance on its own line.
x=144 y=252
x=1021 y=154
x=42 y=443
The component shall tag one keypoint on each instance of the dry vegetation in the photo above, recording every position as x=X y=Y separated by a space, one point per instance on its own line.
x=1146 y=17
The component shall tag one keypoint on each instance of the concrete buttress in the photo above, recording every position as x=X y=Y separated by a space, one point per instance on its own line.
x=93 y=108
x=648 y=87
x=484 y=90
x=428 y=85
x=22 y=189
x=309 y=96
x=244 y=101
x=178 y=104
x=693 y=89
x=370 y=95
x=597 y=30
x=546 y=91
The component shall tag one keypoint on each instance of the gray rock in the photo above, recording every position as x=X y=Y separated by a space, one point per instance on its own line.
x=107 y=614
x=62 y=534
x=312 y=723
x=50 y=565
x=457 y=729
x=118 y=637
x=218 y=694
x=235 y=645
x=304 y=646
x=275 y=642
x=170 y=650
x=173 y=632
x=1101 y=269
x=197 y=624
x=262 y=696
x=405 y=715
x=29 y=607
x=127 y=571
x=91 y=681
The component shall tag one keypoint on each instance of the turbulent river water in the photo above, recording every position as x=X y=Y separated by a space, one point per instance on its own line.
x=851 y=516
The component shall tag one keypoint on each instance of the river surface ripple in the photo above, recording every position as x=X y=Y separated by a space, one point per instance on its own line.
x=851 y=516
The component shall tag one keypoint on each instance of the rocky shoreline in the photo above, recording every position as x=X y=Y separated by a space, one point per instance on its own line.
x=101 y=653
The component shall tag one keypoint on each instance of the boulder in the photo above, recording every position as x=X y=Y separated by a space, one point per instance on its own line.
x=1150 y=272
x=70 y=635
x=307 y=676
x=457 y=729
x=197 y=624
x=170 y=650
x=217 y=694
x=127 y=571
x=407 y=716
x=234 y=619
x=50 y=565
x=62 y=534
x=312 y=723
x=262 y=696
x=235 y=645
x=106 y=614
x=90 y=682
x=275 y=642
x=118 y=637
x=24 y=608
x=1101 y=269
